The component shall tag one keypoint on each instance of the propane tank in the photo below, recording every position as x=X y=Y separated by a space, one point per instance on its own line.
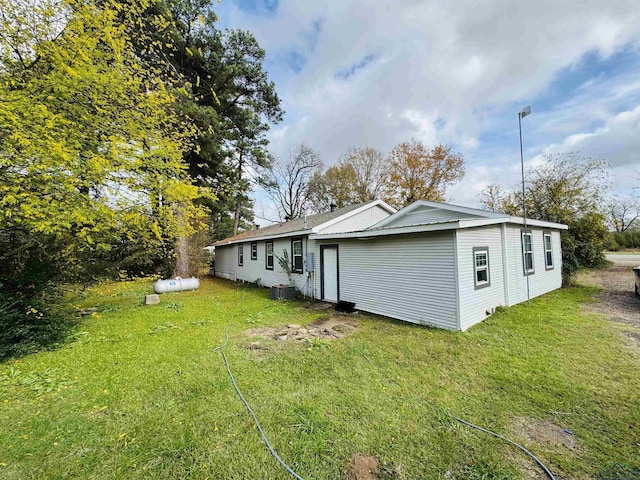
x=176 y=285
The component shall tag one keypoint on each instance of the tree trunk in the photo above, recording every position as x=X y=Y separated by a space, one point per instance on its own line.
x=236 y=223
x=182 y=249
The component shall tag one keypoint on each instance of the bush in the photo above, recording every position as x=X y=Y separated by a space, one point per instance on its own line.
x=583 y=244
x=29 y=325
x=610 y=243
x=626 y=239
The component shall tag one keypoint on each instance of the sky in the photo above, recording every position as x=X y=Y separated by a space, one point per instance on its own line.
x=377 y=73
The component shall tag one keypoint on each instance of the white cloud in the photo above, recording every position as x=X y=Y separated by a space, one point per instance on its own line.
x=617 y=141
x=377 y=73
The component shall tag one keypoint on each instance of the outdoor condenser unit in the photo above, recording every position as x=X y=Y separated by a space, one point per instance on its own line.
x=310 y=263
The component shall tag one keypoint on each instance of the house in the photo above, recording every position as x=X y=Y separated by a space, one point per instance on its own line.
x=430 y=263
x=253 y=256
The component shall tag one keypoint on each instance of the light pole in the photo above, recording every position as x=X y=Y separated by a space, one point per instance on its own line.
x=523 y=113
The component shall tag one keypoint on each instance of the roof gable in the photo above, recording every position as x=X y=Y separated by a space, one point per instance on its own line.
x=305 y=225
x=424 y=212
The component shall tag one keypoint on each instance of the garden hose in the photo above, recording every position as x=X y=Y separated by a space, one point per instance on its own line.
x=298 y=477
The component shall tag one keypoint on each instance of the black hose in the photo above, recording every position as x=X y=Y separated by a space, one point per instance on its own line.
x=255 y=419
x=298 y=477
x=497 y=435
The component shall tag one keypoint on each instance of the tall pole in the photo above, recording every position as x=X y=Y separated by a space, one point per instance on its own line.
x=523 y=113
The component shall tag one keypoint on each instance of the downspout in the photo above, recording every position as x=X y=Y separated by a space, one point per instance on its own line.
x=306 y=254
x=456 y=273
x=505 y=265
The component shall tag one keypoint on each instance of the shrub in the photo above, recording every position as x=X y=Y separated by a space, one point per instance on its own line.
x=626 y=239
x=30 y=324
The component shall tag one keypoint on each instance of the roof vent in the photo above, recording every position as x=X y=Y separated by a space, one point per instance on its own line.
x=333 y=207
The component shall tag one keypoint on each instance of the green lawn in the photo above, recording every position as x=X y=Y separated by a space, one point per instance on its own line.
x=138 y=393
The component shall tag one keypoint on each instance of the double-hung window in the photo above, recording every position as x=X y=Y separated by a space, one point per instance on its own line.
x=240 y=255
x=268 y=250
x=527 y=252
x=296 y=255
x=548 y=251
x=481 y=266
x=254 y=250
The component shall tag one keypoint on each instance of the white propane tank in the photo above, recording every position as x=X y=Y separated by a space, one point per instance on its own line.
x=176 y=285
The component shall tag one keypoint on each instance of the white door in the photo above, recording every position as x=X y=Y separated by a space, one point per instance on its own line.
x=329 y=260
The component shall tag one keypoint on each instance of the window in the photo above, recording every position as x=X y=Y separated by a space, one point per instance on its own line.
x=240 y=255
x=527 y=252
x=254 y=250
x=481 y=266
x=268 y=250
x=296 y=256
x=548 y=251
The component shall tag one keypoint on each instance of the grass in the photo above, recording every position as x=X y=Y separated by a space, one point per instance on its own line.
x=139 y=394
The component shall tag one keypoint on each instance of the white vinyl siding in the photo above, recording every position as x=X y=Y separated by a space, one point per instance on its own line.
x=544 y=280
x=227 y=266
x=226 y=262
x=476 y=302
x=359 y=221
x=408 y=277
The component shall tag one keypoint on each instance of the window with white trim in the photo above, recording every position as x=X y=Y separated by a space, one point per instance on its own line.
x=240 y=255
x=254 y=250
x=527 y=252
x=268 y=249
x=481 y=266
x=548 y=251
x=296 y=256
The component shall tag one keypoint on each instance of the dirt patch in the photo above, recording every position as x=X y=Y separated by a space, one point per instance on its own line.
x=363 y=467
x=617 y=298
x=544 y=433
x=328 y=328
x=320 y=306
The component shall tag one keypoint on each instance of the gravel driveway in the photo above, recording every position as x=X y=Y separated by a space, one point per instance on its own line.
x=617 y=299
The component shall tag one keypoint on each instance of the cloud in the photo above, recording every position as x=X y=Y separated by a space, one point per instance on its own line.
x=377 y=73
x=617 y=141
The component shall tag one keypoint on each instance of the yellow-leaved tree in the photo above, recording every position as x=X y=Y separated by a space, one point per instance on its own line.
x=420 y=173
x=91 y=146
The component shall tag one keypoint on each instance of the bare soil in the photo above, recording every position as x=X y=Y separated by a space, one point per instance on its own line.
x=330 y=327
x=363 y=467
x=617 y=299
x=544 y=433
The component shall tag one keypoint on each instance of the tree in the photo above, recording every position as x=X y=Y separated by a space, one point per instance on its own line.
x=231 y=100
x=91 y=146
x=333 y=187
x=565 y=186
x=569 y=189
x=360 y=176
x=492 y=198
x=419 y=173
x=288 y=183
x=371 y=171
x=622 y=213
